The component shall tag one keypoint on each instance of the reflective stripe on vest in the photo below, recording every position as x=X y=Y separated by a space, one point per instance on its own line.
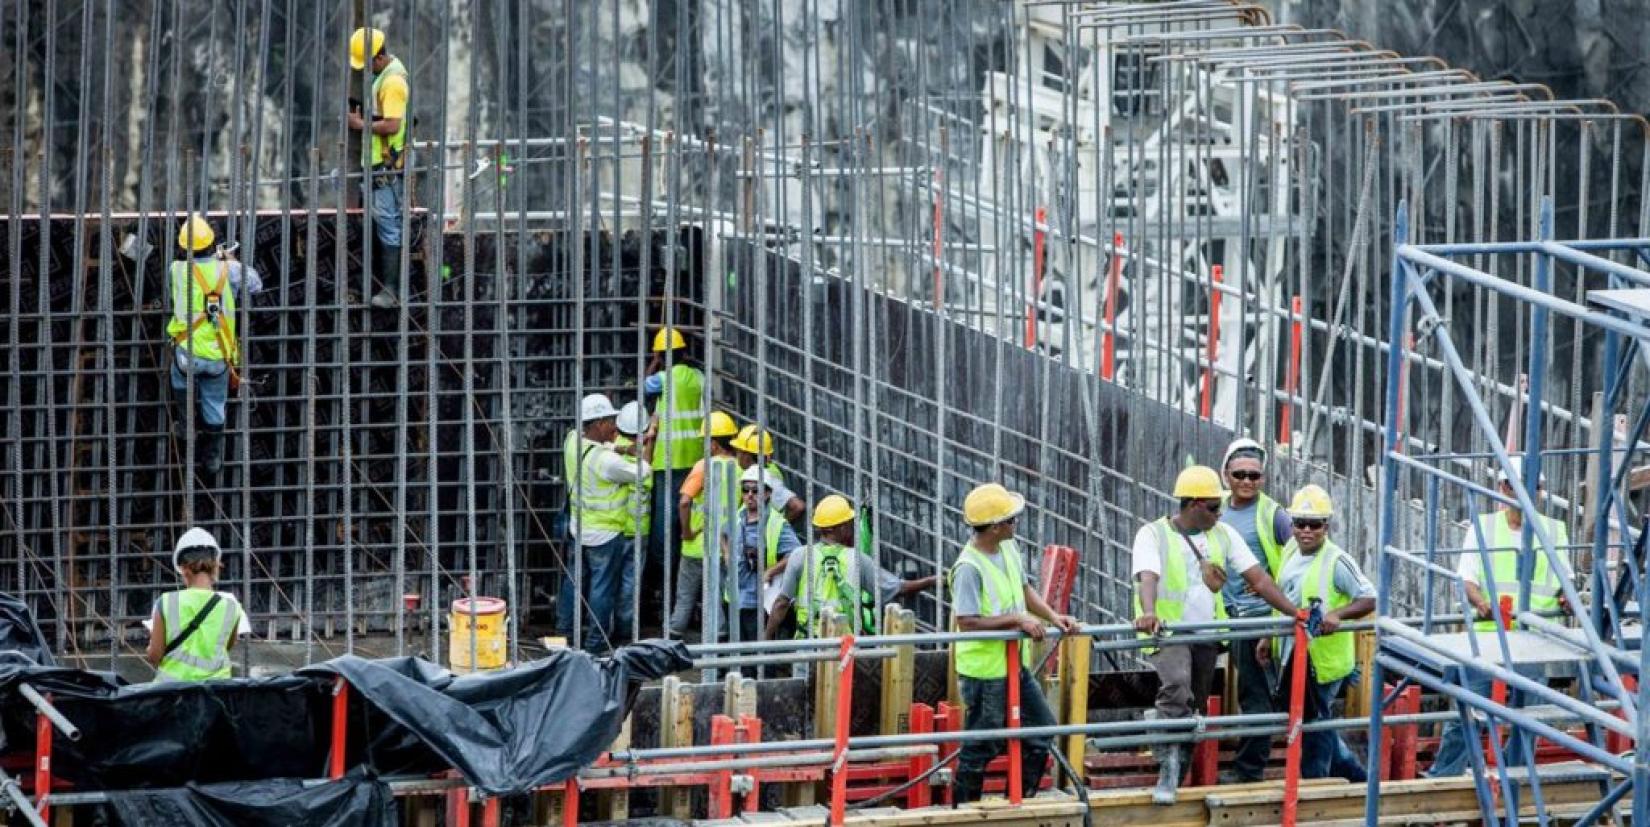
x=1001 y=593
x=638 y=494
x=398 y=141
x=203 y=334
x=205 y=654
x=594 y=504
x=724 y=472
x=1171 y=584
x=771 y=532
x=1266 y=521
x=812 y=584
x=681 y=440
x=1333 y=656
x=1503 y=546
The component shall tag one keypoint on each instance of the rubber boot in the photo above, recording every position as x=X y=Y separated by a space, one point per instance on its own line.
x=212 y=447
x=1032 y=780
x=1168 y=774
x=387 y=264
x=967 y=788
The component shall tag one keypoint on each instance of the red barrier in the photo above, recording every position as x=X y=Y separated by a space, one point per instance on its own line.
x=720 y=804
x=1297 y=709
x=1108 y=339
x=1213 y=354
x=922 y=722
x=340 y=721
x=1405 y=737
x=1206 y=754
x=43 y=764
x=1013 y=678
x=844 y=712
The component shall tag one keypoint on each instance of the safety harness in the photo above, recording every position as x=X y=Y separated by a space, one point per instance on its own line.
x=213 y=311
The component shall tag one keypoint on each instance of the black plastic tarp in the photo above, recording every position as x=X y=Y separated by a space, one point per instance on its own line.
x=19 y=635
x=353 y=801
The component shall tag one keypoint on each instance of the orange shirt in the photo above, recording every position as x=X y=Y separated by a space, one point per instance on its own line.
x=695 y=481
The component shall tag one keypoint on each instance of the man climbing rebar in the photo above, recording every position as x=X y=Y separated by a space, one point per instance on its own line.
x=1179 y=568
x=205 y=347
x=1265 y=530
x=384 y=158
x=991 y=592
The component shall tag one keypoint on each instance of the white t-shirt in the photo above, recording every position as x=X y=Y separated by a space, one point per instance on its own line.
x=1200 y=602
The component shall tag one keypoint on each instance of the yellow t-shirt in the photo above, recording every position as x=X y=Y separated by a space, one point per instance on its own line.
x=392 y=97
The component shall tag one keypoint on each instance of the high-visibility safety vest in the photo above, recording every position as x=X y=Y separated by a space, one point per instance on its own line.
x=1266 y=520
x=1172 y=584
x=203 y=311
x=593 y=503
x=1333 y=656
x=681 y=440
x=1502 y=543
x=204 y=655
x=639 y=494
x=830 y=578
x=772 y=527
x=725 y=471
x=393 y=146
x=1001 y=593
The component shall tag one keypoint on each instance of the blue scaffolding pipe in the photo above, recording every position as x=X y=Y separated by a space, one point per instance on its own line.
x=1410 y=462
x=1415 y=256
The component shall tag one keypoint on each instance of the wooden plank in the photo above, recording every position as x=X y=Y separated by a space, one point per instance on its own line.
x=898 y=672
x=1074 y=697
x=614 y=805
x=676 y=730
x=1359 y=698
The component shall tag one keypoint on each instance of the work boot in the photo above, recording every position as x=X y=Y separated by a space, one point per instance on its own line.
x=1168 y=774
x=212 y=447
x=387 y=264
x=967 y=788
x=1032 y=782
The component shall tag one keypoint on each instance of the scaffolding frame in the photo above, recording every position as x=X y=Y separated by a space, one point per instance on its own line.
x=1597 y=650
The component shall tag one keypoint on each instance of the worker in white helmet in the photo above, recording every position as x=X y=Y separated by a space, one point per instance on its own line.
x=634 y=443
x=192 y=630
x=598 y=505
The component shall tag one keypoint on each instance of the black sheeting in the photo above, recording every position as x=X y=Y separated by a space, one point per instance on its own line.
x=353 y=801
x=19 y=635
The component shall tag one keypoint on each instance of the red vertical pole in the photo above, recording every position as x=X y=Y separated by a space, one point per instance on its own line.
x=1039 y=243
x=43 y=764
x=1108 y=339
x=1214 y=344
x=948 y=719
x=1404 y=739
x=1389 y=749
x=570 y=803
x=1297 y=710
x=720 y=794
x=491 y=814
x=1013 y=677
x=340 y=731
x=922 y=721
x=939 y=238
x=1206 y=754
x=844 y=711
x=458 y=807
x=1292 y=378
x=752 y=727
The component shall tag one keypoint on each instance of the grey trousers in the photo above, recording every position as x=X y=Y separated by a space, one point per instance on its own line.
x=690 y=582
x=1183 y=677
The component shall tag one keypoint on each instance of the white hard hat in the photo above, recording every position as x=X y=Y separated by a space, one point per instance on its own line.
x=596 y=406
x=1242 y=444
x=195 y=538
x=631 y=419
x=1518 y=466
x=756 y=473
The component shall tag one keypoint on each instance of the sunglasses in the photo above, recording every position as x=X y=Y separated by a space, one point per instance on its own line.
x=748 y=489
x=1311 y=525
x=1246 y=476
x=1212 y=506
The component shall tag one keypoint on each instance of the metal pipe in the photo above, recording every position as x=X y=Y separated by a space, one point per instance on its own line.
x=45 y=707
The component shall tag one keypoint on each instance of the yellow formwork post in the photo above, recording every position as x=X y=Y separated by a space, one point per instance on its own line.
x=1074 y=697
x=898 y=672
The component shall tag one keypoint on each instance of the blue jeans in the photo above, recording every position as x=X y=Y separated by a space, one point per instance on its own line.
x=211 y=389
x=624 y=611
x=1452 y=756
x=387 y=200
x=1323 y=753
x=604 y=567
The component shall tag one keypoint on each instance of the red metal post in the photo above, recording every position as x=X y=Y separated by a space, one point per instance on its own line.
x=948 y=718
x=491 y=815
x=750 y=732
x=1039 y=243
x=922 y=721
x=1292 y=378
x=340 y=718
x=1013 y=678
x=570 y=803
x=1213 y=353
x=43 y=764
x=939 y=237
x=1614 y=741
x=1405 y=736
x=1206 y=754
x=1108 y=339
x=1297 y=709
x=720 y=794
x=844 y=712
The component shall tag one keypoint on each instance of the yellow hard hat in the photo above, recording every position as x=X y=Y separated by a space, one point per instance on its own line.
x=720 y=425
x=195 y=234
x=990 y=504
x=832 y=511
x=749 y=437
x=1198 y=482
x=1313 y=503
x=358 y=52
x=668 y=338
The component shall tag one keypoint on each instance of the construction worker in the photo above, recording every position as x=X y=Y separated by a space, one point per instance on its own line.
x=831 y=573
x=991 y=592
x=192 y=630
x=633 y=426
x=1317 y=572
x=597 y=502
x=712 y=485
x=385 y=156
x=766 y=541
x=1498 y=535
x=752 y=441
x=679 y=416
x=1264 y=527
x=203 y=331
x=1179 y=568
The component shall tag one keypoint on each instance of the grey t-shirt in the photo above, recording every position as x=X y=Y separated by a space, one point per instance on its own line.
x=796 y=564
x=966 y=587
